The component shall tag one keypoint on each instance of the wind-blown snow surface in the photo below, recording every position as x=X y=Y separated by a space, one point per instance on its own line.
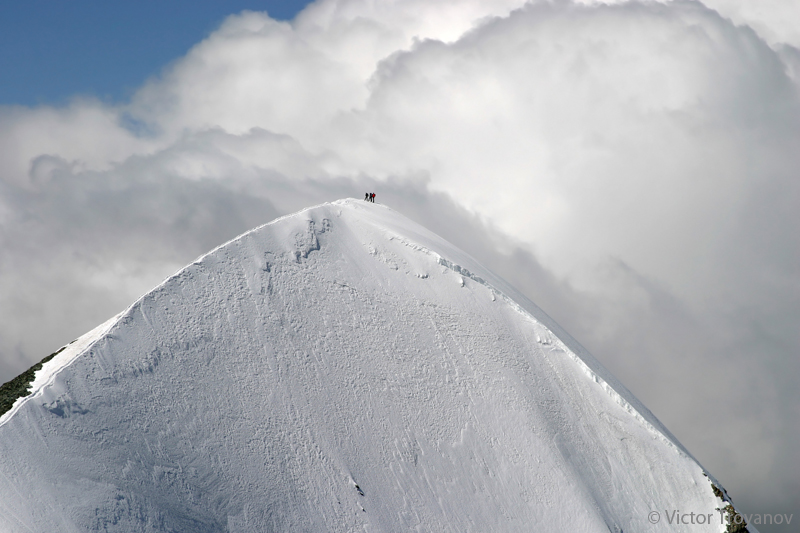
x=340 y=369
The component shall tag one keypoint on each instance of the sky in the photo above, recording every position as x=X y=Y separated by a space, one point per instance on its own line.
x=51 y=51
x=630 y=166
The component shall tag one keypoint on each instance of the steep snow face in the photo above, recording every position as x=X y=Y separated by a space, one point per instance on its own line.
x=340 y=369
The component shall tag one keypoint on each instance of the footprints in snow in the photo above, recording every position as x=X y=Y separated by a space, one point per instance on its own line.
x=355 y=486
x=360 y=492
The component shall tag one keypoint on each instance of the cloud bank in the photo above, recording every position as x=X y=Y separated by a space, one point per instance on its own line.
x=630 y=166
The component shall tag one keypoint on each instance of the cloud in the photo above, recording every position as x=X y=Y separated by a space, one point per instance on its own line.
x=774 y=20
x=630 y=166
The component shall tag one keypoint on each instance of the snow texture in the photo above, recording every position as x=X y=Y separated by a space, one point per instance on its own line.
x=339 y=369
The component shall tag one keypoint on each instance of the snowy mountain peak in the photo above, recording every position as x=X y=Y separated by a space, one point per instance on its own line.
x=338 y=369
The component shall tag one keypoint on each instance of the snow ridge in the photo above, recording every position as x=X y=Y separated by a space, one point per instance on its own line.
x=338 y=369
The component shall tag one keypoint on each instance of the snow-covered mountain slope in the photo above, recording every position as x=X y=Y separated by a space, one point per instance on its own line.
x=339 y=369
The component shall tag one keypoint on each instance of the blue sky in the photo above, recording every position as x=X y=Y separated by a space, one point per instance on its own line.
x=52 y=50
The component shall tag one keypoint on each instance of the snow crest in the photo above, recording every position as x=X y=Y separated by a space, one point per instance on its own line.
x=338 y=369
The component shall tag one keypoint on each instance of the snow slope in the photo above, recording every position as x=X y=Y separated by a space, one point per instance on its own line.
x=339 y=369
